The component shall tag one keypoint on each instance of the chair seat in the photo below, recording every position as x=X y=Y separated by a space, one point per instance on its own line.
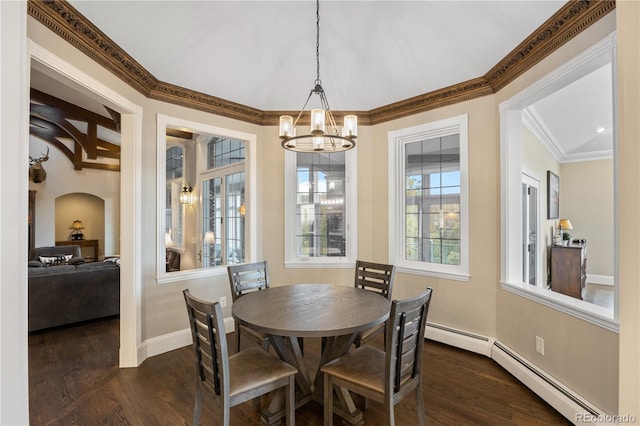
x=363 y=366
x=253 y=368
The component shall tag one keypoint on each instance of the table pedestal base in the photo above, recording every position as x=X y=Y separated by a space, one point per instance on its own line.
x=288 y=349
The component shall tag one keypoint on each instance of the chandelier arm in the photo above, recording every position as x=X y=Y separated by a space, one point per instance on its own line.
x=303 y=107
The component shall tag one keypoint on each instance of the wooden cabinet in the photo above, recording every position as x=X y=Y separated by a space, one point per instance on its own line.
x=569 y=269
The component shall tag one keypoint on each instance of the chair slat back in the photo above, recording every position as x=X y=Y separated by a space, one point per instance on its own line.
x=248 y=277
x=377 y=277
x=406 y=326
x=209 y=342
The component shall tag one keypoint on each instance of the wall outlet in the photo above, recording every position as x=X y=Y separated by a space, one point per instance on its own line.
x=223 y=302
x=540 y=345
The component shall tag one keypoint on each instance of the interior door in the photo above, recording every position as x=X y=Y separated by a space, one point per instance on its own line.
x=530 y=214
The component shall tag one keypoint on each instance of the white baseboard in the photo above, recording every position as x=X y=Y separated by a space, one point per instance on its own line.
x=176 y=340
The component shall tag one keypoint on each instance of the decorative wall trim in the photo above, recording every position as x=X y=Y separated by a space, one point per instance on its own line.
x=573 y=18
x=64 y=20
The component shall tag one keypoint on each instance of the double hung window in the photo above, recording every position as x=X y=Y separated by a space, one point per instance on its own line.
x=429 y=198
x=320 y=199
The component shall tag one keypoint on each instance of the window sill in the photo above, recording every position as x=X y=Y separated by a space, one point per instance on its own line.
x=173 y=277
x=448 y=275
x=336 y=262
x=589 y=312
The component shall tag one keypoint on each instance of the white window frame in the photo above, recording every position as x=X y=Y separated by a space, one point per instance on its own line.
x=175 y=203
x=511 y=121
x=292 y=260
x=397 y=141
x=251 y=238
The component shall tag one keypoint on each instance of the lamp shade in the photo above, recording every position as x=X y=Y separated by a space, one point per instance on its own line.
x=168 y=242
x=77 y=225
x=565 y=224
x=209 y=237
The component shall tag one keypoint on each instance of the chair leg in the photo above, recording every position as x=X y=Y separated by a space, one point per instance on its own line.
x=198 y=404
x=420 y=405
x=290 y=401
x=388 y=412
x=237 y=337
x=328 y=401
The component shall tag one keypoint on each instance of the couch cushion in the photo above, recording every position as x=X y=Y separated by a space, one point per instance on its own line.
x=51 y=270
x=60 y=259
x=73 y=250
x=94 y=266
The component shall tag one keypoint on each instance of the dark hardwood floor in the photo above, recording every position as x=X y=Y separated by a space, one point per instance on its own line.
x=74 y=379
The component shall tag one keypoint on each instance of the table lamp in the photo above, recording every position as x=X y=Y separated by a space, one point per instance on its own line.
x=77 y=228
x=565 y=225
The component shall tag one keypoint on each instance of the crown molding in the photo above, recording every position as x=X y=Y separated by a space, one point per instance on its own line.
x=573 y=18
x=64 y=20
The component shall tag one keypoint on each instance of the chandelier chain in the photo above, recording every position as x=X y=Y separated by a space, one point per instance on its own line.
x=318 y=42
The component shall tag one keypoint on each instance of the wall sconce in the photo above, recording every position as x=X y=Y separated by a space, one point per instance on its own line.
x=186 y=195
x=77 y=228
x=242 y=210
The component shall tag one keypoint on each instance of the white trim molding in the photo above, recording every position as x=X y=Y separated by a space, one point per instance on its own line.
x=130 y=195
x=514 y=115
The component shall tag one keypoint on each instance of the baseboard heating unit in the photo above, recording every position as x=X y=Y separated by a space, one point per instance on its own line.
x=560 y=397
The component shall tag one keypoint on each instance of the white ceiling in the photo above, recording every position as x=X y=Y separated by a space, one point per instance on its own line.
x=372 y=53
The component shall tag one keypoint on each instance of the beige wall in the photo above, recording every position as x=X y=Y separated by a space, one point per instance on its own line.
x=479 y=305
x=87 y=208
x=628 y=249
x=586 y=198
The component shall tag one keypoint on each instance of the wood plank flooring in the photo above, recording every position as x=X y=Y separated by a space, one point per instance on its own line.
x=74 y=379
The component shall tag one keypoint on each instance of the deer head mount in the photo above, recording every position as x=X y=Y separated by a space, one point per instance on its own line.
x=36 y=172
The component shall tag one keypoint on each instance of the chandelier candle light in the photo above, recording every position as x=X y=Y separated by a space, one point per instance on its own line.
x=324 y=135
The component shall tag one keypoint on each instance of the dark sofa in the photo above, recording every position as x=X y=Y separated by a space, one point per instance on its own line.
x=72 y=291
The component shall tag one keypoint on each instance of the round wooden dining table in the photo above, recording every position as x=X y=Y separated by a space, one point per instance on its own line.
x=336 y=313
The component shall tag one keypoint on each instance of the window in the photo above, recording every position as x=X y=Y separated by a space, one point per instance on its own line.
x=428 y=200
x=223 y=209
x=218 y=227
x=173 y=210
x=320 y=209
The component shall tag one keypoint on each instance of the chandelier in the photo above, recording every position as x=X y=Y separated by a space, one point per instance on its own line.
x=324 y=134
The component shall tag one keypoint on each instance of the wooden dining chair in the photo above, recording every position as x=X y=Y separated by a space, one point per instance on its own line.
x=243 y=279
x=376 y=277
x=385 y=376
x=232 y=380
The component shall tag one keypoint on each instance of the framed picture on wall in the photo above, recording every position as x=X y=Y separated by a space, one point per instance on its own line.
x=553 y=195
